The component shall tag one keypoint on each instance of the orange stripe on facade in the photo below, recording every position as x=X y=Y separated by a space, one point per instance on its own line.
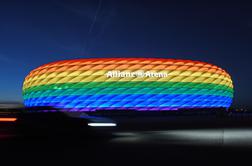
x=38 y=72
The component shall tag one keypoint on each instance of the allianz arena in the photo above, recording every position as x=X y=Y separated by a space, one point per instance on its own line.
x=128 y=83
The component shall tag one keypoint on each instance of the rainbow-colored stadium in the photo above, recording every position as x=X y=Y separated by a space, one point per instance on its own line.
x=128 y=83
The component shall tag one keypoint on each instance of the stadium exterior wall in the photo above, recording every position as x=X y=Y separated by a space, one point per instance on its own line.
x=128 y=83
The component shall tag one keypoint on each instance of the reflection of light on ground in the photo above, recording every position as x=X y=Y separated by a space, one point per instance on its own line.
x=226 y=137
x=242 y=137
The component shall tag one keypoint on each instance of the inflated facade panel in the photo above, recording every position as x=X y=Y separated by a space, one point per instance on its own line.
x=128 y=83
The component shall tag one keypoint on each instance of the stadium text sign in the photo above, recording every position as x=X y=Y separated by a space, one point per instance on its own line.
x=122 y=74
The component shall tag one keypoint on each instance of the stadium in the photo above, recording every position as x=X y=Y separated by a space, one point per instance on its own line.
x=141 y=84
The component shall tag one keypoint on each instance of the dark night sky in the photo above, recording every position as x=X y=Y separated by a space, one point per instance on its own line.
x=36 y=32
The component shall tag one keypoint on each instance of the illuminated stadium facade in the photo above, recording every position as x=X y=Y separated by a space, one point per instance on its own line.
x=128 y=83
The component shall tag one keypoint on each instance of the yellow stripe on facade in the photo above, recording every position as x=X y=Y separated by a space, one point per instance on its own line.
x=97 y=78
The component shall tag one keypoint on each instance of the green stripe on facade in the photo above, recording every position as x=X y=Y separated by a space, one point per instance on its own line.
x=134 y=88
x=128 y=85
x=92 y=91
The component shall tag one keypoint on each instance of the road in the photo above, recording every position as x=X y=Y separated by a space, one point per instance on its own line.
x=135 y=142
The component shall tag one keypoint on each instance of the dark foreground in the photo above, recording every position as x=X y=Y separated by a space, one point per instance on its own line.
x=142 y=141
